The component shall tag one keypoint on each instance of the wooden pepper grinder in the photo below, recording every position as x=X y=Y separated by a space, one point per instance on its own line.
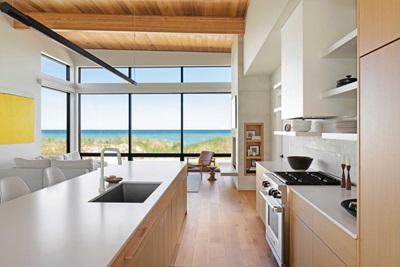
x=348 y=182
x=343 y=164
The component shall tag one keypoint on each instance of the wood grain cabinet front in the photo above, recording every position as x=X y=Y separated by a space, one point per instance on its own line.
x=154 y=241
x=379 y=24
x=315 y=240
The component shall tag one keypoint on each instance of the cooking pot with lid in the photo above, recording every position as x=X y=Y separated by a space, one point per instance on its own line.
x=345 y=81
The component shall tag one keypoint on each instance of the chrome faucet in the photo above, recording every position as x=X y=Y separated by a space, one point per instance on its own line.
x=102 y=187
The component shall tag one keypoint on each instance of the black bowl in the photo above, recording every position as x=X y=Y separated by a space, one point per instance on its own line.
x=299 y=162
x=351 y=209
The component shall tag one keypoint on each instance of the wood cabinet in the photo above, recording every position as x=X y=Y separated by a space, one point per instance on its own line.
x=379 y=24
x=301 y=242
x=312 y=27
x=379 y=212
x=315 y=240
x=253 y=146
x=154 y=241
x=260 y=202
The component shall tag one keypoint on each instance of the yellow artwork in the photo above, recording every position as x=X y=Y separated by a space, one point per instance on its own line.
x=17 y=116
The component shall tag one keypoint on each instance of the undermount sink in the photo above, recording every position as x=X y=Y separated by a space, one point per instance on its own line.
x=128 y=192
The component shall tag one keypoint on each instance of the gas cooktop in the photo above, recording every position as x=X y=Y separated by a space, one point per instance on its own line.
x=306 y=178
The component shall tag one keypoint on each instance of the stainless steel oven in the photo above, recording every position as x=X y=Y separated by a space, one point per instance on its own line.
x=276 y=221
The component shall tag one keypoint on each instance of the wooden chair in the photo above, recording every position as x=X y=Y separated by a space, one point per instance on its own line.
x=205 y=159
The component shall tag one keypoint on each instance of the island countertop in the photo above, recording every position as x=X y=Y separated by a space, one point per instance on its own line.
x=58 y=226
x=325 y=199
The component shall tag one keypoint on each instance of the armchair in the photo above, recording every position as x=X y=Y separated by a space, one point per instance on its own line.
x=205 y=159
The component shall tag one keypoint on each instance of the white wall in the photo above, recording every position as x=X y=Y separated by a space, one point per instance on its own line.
x=326 y=153
x=253 y=106
x=20 y=53
x=261 y=18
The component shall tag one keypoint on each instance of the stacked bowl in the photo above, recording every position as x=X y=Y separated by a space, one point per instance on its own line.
x=300 y=126
x=346 y=126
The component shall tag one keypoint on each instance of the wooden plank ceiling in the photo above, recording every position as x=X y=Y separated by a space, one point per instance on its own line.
x=154 y=25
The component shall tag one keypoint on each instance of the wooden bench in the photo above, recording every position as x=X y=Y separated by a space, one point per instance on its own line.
x=227 y=169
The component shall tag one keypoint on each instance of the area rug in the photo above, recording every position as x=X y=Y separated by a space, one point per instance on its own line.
x=193 y=182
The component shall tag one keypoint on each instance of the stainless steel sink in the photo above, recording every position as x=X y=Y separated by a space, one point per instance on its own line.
x=128 y=192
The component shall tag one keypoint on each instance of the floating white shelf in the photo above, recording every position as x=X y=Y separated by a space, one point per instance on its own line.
x=279 y=109
x=297 y=133
x=345 y=91
x=344 y=48
x=278 y=85
x=340 y=136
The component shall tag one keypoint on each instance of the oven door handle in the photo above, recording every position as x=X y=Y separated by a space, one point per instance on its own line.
x=276 y=207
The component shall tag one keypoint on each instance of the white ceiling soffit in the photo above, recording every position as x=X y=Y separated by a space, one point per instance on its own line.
x=268 y=56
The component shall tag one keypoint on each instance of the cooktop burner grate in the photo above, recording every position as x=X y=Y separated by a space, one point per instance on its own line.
x=306 y=178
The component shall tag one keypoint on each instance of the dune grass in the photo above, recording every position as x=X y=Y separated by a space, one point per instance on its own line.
x=51 y=146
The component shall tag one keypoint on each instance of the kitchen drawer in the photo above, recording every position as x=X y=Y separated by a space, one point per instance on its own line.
x=323 y=256
x=259 y=172
x=301 y=208
x=341 y=243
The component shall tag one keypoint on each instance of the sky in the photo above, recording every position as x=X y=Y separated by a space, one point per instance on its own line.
x=150 y=111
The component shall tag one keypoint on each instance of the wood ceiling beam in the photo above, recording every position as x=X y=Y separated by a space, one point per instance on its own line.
x=175 y=24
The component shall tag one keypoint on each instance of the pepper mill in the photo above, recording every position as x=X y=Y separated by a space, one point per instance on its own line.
x=343 y=164
x=343 y=182
x=348 y=182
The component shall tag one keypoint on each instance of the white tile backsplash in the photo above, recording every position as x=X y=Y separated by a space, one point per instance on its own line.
x=326 y=153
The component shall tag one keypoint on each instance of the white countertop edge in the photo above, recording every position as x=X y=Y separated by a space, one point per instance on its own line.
x=353 y=235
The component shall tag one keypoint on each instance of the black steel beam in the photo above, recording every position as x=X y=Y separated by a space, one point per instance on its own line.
x=30 y=22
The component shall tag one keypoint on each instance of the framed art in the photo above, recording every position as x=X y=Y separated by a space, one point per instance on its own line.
x=255 y=150
x=250 y=134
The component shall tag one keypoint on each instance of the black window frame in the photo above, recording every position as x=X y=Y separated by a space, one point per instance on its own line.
x=67 y=67
x=68 y=116
x=131 y=155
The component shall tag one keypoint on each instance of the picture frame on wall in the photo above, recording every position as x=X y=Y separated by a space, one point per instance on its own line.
x=250 y=134
x=253 y=163
x=255 y=150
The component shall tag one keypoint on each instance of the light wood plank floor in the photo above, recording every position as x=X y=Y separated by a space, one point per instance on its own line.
x=222 y=228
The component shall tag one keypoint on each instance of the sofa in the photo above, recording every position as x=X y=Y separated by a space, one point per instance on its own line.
x=31 y=170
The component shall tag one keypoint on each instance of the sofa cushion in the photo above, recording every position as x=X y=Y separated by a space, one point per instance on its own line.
x=57 y=157
x=72 y=156
x=73 y=164
x=32 y=163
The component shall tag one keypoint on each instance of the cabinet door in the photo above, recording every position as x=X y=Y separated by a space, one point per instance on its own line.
x=379 y=211
x=323 y=256
x=300 y=242
x=379 y=23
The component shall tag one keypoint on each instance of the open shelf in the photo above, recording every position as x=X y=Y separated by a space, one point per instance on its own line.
x=340 y=136
x=346 y=47
x=345 y=91
x=278 y=85
x=297 y=133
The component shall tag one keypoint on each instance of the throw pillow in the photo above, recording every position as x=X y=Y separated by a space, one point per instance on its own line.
x=57 y=157
x=73 y=164
x=32 y=163
x=72 y=156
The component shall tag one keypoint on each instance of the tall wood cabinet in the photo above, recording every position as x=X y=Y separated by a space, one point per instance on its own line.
x=379 y=157
x=379 y=23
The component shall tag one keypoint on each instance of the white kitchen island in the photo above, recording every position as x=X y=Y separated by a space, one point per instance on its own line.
x=58 y=226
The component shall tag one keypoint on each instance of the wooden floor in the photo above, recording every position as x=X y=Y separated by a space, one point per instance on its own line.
x=222 y=228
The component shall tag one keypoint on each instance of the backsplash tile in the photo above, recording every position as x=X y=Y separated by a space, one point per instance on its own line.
x=326 y=153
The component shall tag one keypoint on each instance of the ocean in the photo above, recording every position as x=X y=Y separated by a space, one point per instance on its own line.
x=189 y=136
